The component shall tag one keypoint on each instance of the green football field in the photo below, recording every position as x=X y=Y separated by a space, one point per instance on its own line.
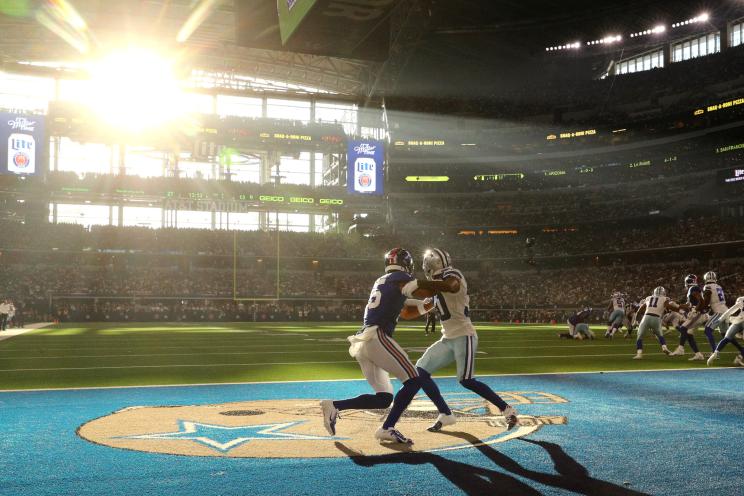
x=107 y=354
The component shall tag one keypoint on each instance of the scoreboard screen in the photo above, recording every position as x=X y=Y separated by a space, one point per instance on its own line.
x=22 y=144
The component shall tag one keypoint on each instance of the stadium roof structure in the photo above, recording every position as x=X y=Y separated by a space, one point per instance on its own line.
x=434 y=44
x=210 y=47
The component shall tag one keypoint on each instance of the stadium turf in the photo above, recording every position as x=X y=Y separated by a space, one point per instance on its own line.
x=81 y=355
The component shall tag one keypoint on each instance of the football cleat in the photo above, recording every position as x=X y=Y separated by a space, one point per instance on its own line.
x=739 y=360
x=713 y=357
x=330 y=415
x=391 y=435
x=697 y=356
x=510 y=414
x=666 y=351
x=442 y=421
x=638 y=356
x=678 y=351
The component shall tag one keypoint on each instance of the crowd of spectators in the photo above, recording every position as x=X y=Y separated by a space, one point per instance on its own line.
x=170 y=294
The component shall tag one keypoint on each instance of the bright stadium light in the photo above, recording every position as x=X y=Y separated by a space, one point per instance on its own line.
x=704 y=17
x=135 y=89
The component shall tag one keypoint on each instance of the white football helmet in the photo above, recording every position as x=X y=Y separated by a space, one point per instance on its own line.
x=659 y=291
x=710 y=277
x=435 y=261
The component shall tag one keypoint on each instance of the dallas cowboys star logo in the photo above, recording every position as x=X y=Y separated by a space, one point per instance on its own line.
x=224 y=438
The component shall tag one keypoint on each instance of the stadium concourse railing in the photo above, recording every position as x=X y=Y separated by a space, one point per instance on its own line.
x=258 y=309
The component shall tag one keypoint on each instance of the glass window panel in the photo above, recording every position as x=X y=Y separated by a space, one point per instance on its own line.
x=145 y=161
x=243 y=221
x=296 y=110
x=25 y=92
x=195 y=169
x=85 y=215
x=74 y=90
x=143 y=216
x=686 y=51
x=678 y=53
x=294 y=170
x=345 y=114
x=83 y=158
x=289 y=222
x=736 y=39
x=694 y=49
x=646 y=62
x=198 y=103
x=239 y=106
x=242 y=168
x=319 y=160
x=194 y=219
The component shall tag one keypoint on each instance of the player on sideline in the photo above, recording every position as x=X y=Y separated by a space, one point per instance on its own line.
x=715 y=301
x=616 y=309
x=376 y=351
x=652 y=309
x=578 y=328
x=693 y=320
x=459 y=341
x=735 y=315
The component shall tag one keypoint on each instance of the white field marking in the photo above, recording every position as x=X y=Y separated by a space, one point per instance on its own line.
x=172 y=354
x=10 y=354
x=256 y=364
x=357 y=379
x=11 y=333
x=309 y=352
x=494 y=343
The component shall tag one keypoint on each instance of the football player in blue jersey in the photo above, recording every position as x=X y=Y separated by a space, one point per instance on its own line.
x=578 y=326
x=377 y=352
x=694 y=318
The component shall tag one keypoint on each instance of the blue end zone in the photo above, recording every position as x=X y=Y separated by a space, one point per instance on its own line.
x=628 y=433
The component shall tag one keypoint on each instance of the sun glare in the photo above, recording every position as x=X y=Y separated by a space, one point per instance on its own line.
x=135 y=90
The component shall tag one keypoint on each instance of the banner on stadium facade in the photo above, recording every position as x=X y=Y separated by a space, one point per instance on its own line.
x=365 y=161
x=22 y=144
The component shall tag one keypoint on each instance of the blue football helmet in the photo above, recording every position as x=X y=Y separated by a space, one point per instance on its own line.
x=399 y=259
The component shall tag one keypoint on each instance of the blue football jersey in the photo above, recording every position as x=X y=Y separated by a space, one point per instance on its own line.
x=579 y=317
x=386 y=301
x=694 y=295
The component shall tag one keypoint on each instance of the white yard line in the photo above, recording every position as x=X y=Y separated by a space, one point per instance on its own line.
x=209 y=384
x=255 y=364
x=309 y=352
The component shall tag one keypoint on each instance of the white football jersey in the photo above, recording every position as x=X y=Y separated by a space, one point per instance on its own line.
x=618 y=303
x=717 y=298
x=737 y=317
x=454 y=310
x=655 y=305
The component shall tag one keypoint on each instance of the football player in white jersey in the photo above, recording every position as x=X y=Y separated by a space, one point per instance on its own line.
x=459 y=341
x=652 y=309
x=713 y=301
x=735 y=316
x=616 y=310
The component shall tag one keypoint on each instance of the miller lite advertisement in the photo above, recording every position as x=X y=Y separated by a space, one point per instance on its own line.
x=22 y=144
x=365 y=159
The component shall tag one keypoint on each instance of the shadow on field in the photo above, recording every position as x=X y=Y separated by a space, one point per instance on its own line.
x=472 y=479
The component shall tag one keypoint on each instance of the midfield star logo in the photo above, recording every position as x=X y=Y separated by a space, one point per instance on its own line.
x=294 y=428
